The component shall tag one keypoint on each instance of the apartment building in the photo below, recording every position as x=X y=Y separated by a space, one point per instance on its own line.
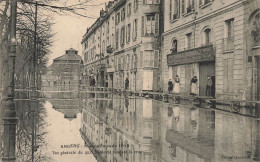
x=124 y=42
x=212 y=38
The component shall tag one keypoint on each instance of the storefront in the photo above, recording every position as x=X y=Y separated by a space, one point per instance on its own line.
x=199 y=62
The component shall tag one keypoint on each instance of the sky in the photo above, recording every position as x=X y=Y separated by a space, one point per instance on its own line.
x=70 y=29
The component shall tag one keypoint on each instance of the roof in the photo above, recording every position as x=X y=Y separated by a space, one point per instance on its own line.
x=69 y=57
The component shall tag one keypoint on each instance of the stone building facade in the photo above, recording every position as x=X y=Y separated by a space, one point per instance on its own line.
x=124 y=43
x=212 y=38
x=64 y=74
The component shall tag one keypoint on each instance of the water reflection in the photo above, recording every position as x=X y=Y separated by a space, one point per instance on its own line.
x=120 y=128
x=25 y=129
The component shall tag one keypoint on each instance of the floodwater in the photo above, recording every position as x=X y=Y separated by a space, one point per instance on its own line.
x=134 y=129
x=117 y=128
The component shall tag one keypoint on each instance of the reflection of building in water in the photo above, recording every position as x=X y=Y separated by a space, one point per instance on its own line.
x=132 y=132
x=68 y=106
x=64 y=73
x=159 y=131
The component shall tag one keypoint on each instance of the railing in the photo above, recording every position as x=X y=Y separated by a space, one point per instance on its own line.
x=228 y=44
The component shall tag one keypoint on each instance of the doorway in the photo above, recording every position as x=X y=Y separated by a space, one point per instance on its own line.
x=206 y=69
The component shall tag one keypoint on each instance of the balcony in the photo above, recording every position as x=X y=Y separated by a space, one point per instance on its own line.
x=228 y=44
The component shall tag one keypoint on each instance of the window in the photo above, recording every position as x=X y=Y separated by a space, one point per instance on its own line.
x=123 y=14
x=128 y=30
x=134 y=30
x=174 y=9
x=151 y=1
x=122 y=39
x=230 y=28
x=204 y=2
x=207 y=34
x=150 y=25
x=141 y=59
x=188 y=41
x=187 y=6
x=103 y=47
x=117 y=17
x=129 y=7
x=117 y=38
x=228 y=41
x=135 y=5
x=151 y=58
x=174 y=46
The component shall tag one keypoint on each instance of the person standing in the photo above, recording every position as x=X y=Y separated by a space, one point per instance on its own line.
x=193 y=84
x=170 y=86
x=176 y=88
x=126 y=83
x=209 y=86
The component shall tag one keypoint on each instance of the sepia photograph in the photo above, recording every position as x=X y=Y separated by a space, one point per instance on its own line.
x=129 y=80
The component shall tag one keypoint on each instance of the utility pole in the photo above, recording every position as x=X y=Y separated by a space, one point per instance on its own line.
x=10 y=119
x=33 y=96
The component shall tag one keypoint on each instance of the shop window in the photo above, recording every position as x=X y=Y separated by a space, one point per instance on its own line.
x=174 y=9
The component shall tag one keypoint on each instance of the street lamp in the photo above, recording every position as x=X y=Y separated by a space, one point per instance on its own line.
x=10 y=119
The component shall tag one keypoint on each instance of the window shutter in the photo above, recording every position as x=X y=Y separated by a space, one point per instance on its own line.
x=129 y=32
x=126 y=28
x=144 y=1
x=141 y=59
x=156 y=58
x=183 y=6
x=200 y=2
x=156 y=25
x=133 y=30
x=142 y=25
x=170 y=9
x=157 y=1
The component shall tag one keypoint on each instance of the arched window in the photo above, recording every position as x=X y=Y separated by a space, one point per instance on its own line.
x=174 y=46
x=256 y=29
x=207 y=35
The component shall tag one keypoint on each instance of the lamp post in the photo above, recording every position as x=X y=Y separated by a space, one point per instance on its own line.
x=10 y=119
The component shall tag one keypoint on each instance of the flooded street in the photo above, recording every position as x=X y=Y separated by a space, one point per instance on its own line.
x=136 y=129
x=111 y=127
